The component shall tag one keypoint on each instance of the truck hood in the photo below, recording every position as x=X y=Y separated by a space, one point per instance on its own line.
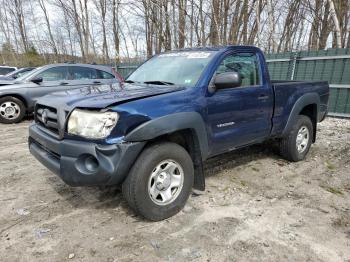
x=105 y=95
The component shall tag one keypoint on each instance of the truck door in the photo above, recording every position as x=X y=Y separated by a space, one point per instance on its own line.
x=240 y=115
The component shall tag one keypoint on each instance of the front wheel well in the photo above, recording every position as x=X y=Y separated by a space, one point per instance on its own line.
x=18 y=97
x=311 y=112
x=188 y=139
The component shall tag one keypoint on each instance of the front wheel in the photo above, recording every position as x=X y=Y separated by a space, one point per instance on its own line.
x=296 y=145
x=160 y=181
x=12 y=110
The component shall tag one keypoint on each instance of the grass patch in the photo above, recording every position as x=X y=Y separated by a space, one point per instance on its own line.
x=243 y=183
x=342 y=221
x=333 y=190
x=330 y=166
x=255 y=169
x=225 y=189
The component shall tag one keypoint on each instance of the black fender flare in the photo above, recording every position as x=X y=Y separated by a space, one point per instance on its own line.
x=169 y=124
x=302 y=102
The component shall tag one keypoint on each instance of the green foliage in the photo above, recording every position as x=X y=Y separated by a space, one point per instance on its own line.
x=33 y=58
x=32 y=51
x=330 y=165
x=333 y=190
x=7 y=48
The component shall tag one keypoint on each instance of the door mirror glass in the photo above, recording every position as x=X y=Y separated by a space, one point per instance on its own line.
x=37 y=80
x=228 y=80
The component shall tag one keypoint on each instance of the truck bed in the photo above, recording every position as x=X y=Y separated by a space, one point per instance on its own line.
x=288 y=92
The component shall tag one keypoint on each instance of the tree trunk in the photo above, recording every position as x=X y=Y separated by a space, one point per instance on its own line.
x=115 y=27
x=43 y=8
x=167 y=44
x=214 y=32
x=334 y=16
x=78 y=28
x=271 y=18
x=21 y=24
x=182 y=22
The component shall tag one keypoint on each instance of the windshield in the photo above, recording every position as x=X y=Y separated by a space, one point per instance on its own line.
x=175 y=68
x=28 y=75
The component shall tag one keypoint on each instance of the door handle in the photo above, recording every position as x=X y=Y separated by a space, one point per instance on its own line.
x=263 y=97
x=96 y=82
x=63 y=83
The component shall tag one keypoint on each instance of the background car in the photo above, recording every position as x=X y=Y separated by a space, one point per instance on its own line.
x=10 y=78
x=18 y=73
x=4 y=70
x=19 y=98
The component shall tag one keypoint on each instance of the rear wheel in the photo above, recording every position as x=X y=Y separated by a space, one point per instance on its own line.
x=12 y=110
x=160 y=181
x=296 y=145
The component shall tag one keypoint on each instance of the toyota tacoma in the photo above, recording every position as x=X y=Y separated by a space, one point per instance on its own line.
x=153 y=133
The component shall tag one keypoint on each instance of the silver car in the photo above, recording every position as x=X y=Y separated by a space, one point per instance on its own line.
x=4 y=70
x=19 y=98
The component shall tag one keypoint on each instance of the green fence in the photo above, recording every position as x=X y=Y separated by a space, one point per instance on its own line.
x=126 y=69
x=332 y=65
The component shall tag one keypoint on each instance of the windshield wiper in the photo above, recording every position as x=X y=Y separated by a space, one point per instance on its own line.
x=157 y=82
x=129 y=81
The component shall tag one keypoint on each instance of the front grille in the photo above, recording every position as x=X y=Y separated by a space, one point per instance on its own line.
x=47 y=117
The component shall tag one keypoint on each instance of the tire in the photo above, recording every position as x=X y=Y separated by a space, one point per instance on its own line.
x=293 y=147
x=12 y=110
x=150 y=174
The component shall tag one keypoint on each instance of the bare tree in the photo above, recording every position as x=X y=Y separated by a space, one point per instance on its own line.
x=334 y=16
x=98 y=30
x=46 y=15
x=115 y=26
x=182 y=22
x=101 y=6
x=18 y=13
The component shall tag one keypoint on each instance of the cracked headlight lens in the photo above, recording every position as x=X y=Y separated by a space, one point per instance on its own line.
x=91 y=124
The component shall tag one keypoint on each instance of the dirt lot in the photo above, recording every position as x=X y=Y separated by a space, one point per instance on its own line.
x=257 y=207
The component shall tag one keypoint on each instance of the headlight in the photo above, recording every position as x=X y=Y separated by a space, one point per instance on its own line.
x=91 y=124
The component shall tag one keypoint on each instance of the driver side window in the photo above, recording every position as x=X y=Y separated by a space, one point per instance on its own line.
x=246 y=64
x=55 y=74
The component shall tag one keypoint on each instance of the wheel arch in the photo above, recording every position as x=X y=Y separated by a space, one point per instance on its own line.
x=186 y=129
x=308 y=105
x=20 y=97
x=311 y=112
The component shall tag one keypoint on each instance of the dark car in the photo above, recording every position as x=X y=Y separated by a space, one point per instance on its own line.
x=19 y=98
x=11 y=77
x=4 y=70
x=173 y=113
x=18 y=73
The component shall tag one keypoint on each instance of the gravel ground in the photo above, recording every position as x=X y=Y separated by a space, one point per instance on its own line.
x=256 y=207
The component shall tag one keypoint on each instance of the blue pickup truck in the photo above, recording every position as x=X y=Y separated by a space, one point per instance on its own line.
x=152 y=133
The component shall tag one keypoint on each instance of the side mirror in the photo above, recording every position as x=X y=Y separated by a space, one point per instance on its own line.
x=228 y=80
x=37 y=80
